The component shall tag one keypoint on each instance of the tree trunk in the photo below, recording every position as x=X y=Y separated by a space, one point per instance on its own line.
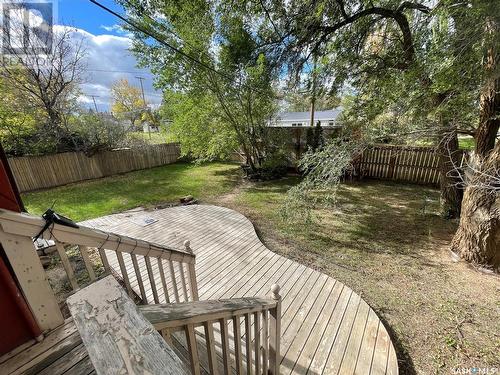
x=449 y=182
x=489 y=118
x=477 y=239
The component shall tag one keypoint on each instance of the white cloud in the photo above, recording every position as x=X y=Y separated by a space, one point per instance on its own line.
x=108 y=60
x=117 y=29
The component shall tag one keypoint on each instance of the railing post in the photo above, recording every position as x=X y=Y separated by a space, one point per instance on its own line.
x=193 y=285
x=32 y=279
x=275 y=332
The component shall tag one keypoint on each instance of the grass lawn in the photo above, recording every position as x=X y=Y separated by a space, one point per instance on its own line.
x=142 y=188
x=466 y=143
x=384 y=240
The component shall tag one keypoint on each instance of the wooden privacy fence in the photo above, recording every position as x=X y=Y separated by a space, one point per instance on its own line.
x=401 y=163
x=39 y=172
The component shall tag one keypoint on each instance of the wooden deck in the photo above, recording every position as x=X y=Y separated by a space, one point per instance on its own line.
x=326 y=327
x=61 y=352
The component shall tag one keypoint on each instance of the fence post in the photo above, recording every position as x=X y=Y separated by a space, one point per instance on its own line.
x=275 y=332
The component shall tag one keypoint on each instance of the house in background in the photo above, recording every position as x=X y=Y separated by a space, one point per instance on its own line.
x=148 y=127
x=297 y=124
x=327 y=119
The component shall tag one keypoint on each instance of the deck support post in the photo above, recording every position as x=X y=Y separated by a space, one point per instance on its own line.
x=275 y=332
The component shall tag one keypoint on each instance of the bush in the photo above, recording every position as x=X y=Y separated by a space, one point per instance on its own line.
x=92 y=133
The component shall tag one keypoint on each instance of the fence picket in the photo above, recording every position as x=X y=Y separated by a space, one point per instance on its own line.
x=41 y=172
x=410 y=164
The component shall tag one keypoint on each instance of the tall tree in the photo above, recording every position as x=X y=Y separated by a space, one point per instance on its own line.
x=48 y=83
x=366 y=42
x=128 y=103
x=219 y=64
x=377 y=44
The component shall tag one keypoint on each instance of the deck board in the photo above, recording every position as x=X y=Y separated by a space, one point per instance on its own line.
x=61 y=352
x=326 y=327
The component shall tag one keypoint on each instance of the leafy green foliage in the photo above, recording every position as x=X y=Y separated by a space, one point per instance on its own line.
x=93 y=133
x=212 y=112
x=323 y=171
x=198 y=127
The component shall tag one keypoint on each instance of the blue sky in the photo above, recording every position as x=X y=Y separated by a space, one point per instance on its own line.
x=86 y=15
x=107 y=47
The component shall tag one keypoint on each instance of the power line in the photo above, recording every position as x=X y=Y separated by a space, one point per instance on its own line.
x=117 y=71
x=160 y=40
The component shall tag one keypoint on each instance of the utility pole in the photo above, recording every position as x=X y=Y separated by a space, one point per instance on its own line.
x=142 y=89
x=95 y=104
x=144 y=101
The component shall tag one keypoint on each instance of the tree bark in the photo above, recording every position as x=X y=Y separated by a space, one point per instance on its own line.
x=477 y=239
x=448 y=154
x=449 y=182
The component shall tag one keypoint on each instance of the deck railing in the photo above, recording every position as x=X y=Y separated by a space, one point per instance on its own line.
x=241 y=334
x=176 y=268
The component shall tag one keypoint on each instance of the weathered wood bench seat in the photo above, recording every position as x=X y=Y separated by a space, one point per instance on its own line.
x=118 y=338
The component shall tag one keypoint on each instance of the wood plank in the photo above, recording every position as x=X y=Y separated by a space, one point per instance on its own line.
x=296 y=339
x=61 y=250
x=381 y=353
x=138 y=277
x=330 y=333
x=65 y=362
x=151 y=277
x=248 y=343
x=364 y=360
x=350 y=357
x=192 y=350
x=233 y=263
x=316 y=334
x=32 y=279
x=337 y=351
x=176 y=314
x=225 y=345
x=238 y=354
x=34 y=365
x=116 y=335
x=210 y=343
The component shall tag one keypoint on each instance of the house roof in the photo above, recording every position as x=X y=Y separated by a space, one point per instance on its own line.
x=331 y=114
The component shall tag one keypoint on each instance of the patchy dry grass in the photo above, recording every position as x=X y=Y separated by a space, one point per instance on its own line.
x=388 y=243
